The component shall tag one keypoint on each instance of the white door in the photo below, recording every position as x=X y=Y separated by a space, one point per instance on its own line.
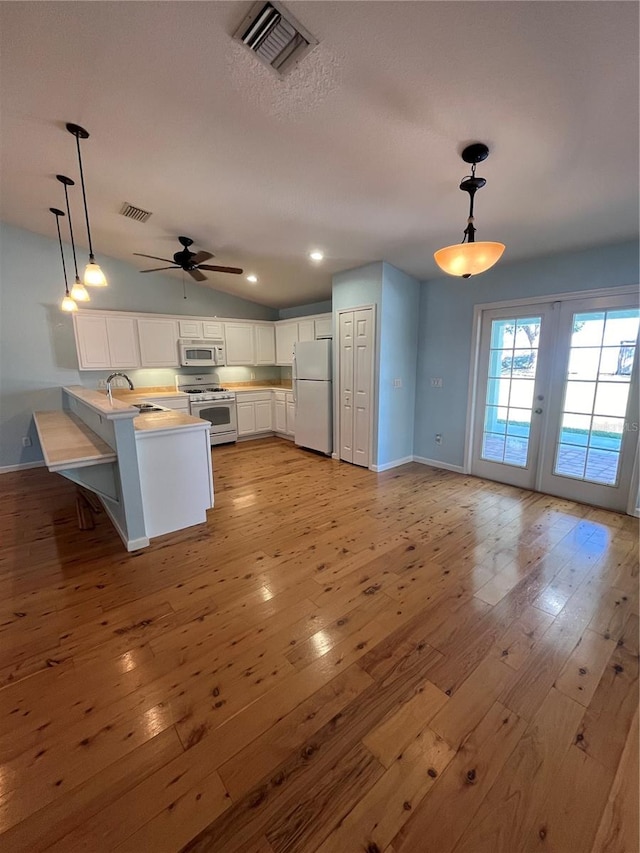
x=91 y=342
x=122 y=334
x=158 y=342
x=246 y=414
x=356 y=348
x=265 y=345
x=556 y=394
x=240 y=344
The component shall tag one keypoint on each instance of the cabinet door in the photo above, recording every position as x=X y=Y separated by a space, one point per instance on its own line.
x=306 y=330
x=286 y=336
x=324 y=327
x=265 y=345
x=263 y=415
x=291 y=416
x=246 y=417
x=122 y=335
x=239 y=340
x=92 y=342
x=280 y=410
x=158 y=342
x=212 y=331
x=190 y=329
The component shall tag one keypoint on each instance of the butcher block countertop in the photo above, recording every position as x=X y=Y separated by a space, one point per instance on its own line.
x=67 y=442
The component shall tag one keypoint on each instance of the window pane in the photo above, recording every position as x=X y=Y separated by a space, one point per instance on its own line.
x=498 y=391
x=607 y=433
x=579 y=397
x=571 y=460
x=621 y=326
x=519 y=422
x=602 y=466
x=588 y=329
x=575 y=429
x=500 y=337
x=583 y=363
x=495 y=419
x=500 y=362
x=515 y=451
x=527 y=332
x=493 y=447
x=522 y=393
x=611 y=399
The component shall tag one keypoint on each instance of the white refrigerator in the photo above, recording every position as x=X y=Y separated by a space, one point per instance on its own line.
x=312 y=391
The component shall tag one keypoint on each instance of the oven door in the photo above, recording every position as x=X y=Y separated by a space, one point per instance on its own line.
x=222 y=417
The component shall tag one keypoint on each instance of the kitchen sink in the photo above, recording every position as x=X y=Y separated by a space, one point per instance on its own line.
x=148 y=407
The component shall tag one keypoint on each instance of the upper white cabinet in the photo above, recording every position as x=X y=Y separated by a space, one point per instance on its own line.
x=324 y=327
x=105 y=342
x=199 y=329
x=286 y=337
x=306 y=330
x=240 y=343
x=158 y=342
x=265 y=344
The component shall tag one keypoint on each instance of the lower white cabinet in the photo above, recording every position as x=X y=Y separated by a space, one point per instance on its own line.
x=246 y=417
x=280 y=415
x=291 y=415
x=253 y=410
x=263 y=415
x=158 y=342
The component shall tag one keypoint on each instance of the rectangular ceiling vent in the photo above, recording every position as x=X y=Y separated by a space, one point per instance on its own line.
x=136 y=213
x=274 y=35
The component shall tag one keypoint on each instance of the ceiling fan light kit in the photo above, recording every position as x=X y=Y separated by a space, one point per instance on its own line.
x=470 y=257
x=93 y=275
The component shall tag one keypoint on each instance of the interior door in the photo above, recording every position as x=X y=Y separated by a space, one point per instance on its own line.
x=592 y=434
x=356 y=343
x=346 y=386
x=511 y=388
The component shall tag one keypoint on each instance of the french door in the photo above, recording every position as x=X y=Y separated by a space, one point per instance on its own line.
x=557 y=399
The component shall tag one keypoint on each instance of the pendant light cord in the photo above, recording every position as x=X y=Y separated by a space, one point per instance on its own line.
x=73 y=244
x=64 y=266
x=84 y=197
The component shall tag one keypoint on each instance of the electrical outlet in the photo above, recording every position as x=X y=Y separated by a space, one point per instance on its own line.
x=436 y=382
x=438 y=438
x=26 y=441
x=397 y=383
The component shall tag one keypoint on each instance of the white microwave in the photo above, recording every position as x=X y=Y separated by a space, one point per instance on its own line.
x=202 y=353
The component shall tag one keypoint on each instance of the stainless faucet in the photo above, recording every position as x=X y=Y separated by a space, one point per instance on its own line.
x=113 y=375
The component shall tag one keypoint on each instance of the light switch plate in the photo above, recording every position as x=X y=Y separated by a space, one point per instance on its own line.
x=436 y=382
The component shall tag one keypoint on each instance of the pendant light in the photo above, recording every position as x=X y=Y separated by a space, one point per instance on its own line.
x=67 y=304
x=79 y=292
x=470 y=258
x=93 y=275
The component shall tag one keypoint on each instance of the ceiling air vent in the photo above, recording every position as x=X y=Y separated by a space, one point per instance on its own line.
x=274 y=35
x=136 y=213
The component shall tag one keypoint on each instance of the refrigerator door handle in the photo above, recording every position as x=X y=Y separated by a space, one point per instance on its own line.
x=294 y=378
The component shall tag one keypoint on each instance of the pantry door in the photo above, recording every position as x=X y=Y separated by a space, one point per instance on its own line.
x=557 y=398
x=511 y=390
x=591 y=439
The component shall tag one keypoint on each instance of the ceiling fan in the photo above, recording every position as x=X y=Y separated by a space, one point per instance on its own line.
x=191 y=262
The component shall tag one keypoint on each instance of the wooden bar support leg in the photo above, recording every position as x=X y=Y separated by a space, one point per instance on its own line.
x=86 y=506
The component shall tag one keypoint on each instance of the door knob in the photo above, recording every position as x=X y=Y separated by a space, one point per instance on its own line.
x=538 y=411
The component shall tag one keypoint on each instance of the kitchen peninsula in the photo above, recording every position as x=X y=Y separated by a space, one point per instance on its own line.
x=151 y=471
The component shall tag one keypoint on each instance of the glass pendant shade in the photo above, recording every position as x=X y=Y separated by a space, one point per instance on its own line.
x=466 y=259
x=79 y=292
x=93 y=275
x=68 y=304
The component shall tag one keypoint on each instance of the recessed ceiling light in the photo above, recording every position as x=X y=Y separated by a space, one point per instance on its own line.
x=252 y=278
x=316 y=255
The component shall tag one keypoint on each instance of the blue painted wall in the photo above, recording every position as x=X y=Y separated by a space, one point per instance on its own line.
x=398 y=357
x=445 y=328
x=37 y=348
x=305 y=310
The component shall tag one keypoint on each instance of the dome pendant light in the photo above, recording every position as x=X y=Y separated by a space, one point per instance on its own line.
x=470 y=258
x=67 y=304
x=93 y=275
x=78 y=292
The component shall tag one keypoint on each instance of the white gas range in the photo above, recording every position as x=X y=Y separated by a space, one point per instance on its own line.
x=209 y=401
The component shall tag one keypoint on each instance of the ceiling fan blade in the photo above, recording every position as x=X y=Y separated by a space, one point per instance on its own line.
x=213 y=268
x=154 y=258
x=199 y=257
x=197 y=275
x=161 y=268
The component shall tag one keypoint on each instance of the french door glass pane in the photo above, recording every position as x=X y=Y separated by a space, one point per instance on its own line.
x=510 y=390
x=596 y=395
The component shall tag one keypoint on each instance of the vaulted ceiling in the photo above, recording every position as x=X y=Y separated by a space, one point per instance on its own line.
x=356 y=151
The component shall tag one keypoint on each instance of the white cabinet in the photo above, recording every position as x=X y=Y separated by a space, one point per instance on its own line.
x=265 y=345
x=286 y=336
x=240 y=343
x=306 y=330
x=291 y=415
x=280 y=414
x=246 y=417
x=158 y=342
x=263 y=415
x=211 y=330
x=106 y=342
x=323 y=327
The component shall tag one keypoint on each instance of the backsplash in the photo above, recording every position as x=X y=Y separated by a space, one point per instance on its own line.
x=156 y=377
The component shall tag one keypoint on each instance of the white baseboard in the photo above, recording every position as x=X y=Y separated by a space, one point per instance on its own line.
x=23 y=466
x=435 y=463
x=394 y=464
x=334 y=456
x=129 y=544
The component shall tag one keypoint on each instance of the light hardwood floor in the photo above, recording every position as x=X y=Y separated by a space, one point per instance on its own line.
x=337 y=661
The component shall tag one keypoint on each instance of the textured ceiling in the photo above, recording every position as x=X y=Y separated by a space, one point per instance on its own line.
x=355 y=152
